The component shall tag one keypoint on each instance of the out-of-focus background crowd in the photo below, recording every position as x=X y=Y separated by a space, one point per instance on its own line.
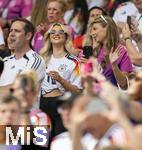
x=73 y=67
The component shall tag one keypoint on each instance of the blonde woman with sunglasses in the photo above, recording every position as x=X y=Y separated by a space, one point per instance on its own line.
x=62 y=73
x=103 y=37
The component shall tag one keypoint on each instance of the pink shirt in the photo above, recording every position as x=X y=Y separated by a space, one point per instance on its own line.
x=123 y=63
x=15 y=8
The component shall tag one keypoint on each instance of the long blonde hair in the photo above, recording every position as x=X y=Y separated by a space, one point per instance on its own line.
x=39 y=12
x=47 y=50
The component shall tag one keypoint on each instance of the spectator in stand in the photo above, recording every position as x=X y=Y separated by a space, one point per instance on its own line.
x=54 y=10
x=77 y=16
x=91 y=120
x=103 y=37
x=64 y=139
x=134 y=54
x=9 y=116
x=26 y=88
x=11 y=9
x=131 y=8
x=93 y=13
x=90 y=116
x=24 y=58
x=62 y=73
x=9 y=110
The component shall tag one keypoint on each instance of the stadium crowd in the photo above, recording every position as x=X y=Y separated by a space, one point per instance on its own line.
x=71 y=74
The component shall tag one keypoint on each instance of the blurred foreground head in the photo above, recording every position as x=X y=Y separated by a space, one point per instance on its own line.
x=9 y=110
x=26 y=88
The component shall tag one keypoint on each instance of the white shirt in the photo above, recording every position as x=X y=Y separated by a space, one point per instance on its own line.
x=13 y=66
x=115 y=135
x=63 y=141
x=92 y=3
x=67 y=67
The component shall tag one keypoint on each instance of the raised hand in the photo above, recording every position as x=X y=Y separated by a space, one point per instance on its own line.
x=126 y=32
x=114 y=55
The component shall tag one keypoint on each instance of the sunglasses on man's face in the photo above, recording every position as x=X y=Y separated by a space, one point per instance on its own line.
x=57 y=32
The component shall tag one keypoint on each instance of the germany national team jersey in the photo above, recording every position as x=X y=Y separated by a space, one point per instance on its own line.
x=67 y=67
x=13 y=66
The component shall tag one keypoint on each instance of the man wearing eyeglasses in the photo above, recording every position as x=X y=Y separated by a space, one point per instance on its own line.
x=24 y=58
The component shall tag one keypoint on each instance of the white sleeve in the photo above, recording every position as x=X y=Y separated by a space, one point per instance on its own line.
x=39 y=66
x=41 y=70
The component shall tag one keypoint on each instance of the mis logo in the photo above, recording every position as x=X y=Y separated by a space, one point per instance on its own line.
x=37 y=135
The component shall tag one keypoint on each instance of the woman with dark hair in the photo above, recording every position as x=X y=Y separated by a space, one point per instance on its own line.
x=77 y=17
x=93 y=13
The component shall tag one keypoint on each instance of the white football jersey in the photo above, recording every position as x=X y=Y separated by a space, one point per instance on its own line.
x=67 y=67
x=13 y=66
x=63 y=141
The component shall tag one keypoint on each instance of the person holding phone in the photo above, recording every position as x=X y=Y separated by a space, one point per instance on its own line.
x=134 y=51
x=111 y=55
